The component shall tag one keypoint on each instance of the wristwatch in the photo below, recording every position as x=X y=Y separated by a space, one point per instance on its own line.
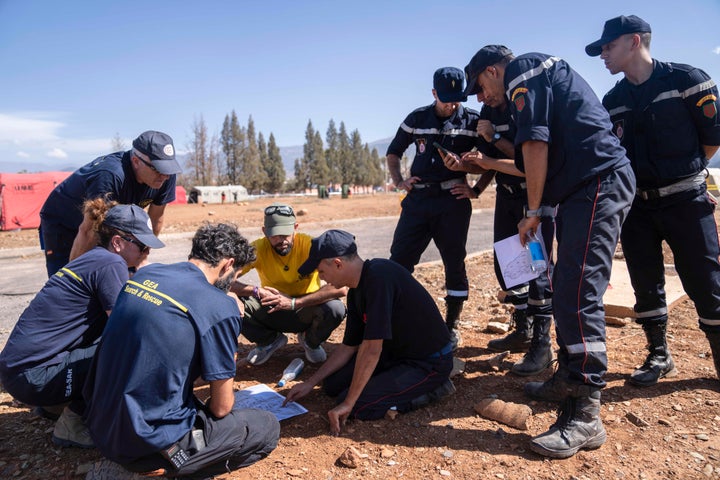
x=496 y=136
x=543 y=211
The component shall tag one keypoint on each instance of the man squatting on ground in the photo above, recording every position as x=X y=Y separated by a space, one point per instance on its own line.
x=47 y=356
x=143 y=176
x=172 y=324
x=666 y=116
x=533 y=300
x=286 y=301
x=431 y=210
x=396 y=352
x=571 y=159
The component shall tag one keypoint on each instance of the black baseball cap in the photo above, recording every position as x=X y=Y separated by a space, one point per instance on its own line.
x=158 y=146
x=135 y=221
x=331 y=244
x=449 y=83
x=616 y=27
x=486 y=56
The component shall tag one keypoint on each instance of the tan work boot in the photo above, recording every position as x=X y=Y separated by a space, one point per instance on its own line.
x=70 y=431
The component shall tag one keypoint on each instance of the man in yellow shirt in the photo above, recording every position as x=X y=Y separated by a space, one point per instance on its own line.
x=286 y=301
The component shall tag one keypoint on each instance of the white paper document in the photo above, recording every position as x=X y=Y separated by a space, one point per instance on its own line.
x=265 y=398
x=514 y=261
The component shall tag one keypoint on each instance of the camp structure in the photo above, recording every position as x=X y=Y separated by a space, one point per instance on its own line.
x=218 y=194
x=22 y=196
x=180 y=195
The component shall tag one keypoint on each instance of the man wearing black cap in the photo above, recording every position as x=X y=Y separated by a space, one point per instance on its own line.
x=286 y=301
x=665 y=115
x=572 y=160
x=396 y=353
x=432 y=210
x=532 y=301
x=143 y=176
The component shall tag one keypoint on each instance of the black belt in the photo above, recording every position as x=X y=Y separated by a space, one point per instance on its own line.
x=513 y=189
x=446 y=185
x=677 y=187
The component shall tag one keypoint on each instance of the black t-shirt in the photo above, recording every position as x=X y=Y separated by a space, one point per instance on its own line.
x=389 y=304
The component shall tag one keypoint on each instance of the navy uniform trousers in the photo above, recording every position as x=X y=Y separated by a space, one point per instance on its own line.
x=434 y=214
x=509 y=211
x=686 y=222
x=588 y=227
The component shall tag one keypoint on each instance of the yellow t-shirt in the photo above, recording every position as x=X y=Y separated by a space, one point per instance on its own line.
x=271 y=267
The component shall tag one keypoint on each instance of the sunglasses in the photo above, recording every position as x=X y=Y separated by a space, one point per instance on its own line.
x=283 y=210
x=149 y=165
x=143 y=248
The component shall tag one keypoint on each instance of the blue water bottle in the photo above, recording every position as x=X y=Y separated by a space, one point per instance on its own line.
x=291 y=371
x=536 y=252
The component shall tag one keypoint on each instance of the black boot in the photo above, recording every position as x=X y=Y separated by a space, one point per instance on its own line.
x=540 y=356
x=519 y=339
x=554 y=389
x=454 y=307
x=714 y=339
x=578 y=426
x=659 y=362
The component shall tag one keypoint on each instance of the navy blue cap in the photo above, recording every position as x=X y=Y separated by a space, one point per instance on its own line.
x=135 y=221
x=614 y=28
x=486 y=56
x=449 y=83
x=159 y=148
x=331 y=244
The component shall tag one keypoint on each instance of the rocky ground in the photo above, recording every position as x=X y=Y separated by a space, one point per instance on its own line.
x=669 y=431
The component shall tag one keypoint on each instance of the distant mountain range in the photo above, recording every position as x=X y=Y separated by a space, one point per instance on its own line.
x=289 y=154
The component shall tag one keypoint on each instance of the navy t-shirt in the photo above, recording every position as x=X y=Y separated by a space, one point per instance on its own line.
x=457 y=133
x=389 y=304
x=69 y=312
x=111 y=174
x=551 y=103
x=169 y=327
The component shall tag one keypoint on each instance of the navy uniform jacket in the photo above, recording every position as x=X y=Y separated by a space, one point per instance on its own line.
x=664 y=122
x=506 y=128
x=169 y=327
x=111 y=174
x=457 y=133
x=552 y=103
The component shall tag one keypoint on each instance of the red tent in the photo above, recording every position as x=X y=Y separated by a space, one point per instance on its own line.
x=180 y=195
x=22 y=195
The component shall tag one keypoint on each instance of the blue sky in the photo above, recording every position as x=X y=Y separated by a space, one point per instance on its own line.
x=76 y=73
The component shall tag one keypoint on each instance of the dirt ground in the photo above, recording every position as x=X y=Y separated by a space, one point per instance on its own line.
x=669 y=431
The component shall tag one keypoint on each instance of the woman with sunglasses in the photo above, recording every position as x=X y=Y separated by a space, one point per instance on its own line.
x=48 y=353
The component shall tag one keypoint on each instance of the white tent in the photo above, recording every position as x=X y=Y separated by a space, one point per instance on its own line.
x=218 y=194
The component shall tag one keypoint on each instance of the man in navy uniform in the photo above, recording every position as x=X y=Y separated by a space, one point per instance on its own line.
x=532 y=301
x=396 y=352
x=144 y=176
x=171 y=325
x=665 y=115
x=431 y=211
x=572 y=160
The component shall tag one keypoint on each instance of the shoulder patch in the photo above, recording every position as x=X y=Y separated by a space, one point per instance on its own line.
x=708 y=105
x=518 y=98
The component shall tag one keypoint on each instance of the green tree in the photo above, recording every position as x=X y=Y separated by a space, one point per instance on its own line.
x=274 y=168
x=319 y=171
x=253 y=174
x=344 y=160
x=332 y=152
x=232 y=141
